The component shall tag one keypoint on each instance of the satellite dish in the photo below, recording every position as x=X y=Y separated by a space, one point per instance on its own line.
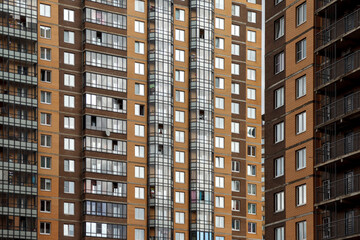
x=107 y=132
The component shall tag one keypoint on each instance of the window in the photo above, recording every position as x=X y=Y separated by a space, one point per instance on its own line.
x=139 y=130
x=279 y=232
x=45 y=228
x=139 y=172
x=179 y=157
x=251 y=74
x=219 y=162
x=180 y=217
x=235 y=49
x=69 y=80
x=45 y=162
x=139 y=193
x=139 y=213
x=219 y=142
x=251 y=170
x=179 y=116
x=235 y=186
x=235 y=147
x=179 y=55
x=251 y=55
x=69 y=58
x=251 y=132
x=251 y=36
x=139 y=151
x=179 y=236
x=279 y=27
x=180 y=96
x=235 y=127
x=300 y=158
x=251 y=93
x=45 y=184
x=45 y=53
x=45 y=75
x=235 y=108
x=69 y=144
x=139 y=27
x=45 y=32
x=69 y=37
x=300 y=122
x=235 y=205
x=235 y=30
x=251 y=113
x=179 y=197
x=179 y=35
x=235 y=88
x=219 y=82
x=219 y=43
x=219 y=103
x=179 y=14
x=139 y=68
x=252 y=17
x=219 y=222
x=301 y=195
x=251 y=189
x=45 y=119
x=219 y=63
x=180 y=177
x=45 y=97
x=301 y=50
x=68 y=15
x=235 y=166
x=69 y=122
x=279 y=97
x=279 y=63
x=219 y=4
x=139 y=234
x=69 y=101
x=179 y=136
x=69 y=187
x=45 y=140
x=69 y=208
x=279 y=201
x=139 y=47
x=235 y=225
x=235 y=69
x=301 y=14
x=279 y=166
x=252 y=208
x=45 y=206
x=219 y=182
x=279 y=132
x=139 y=110
x=301 y=87
x=219 y=23
x=45 y=10
x=252 y=227
x=69 y=165
x=219 y=122
x=139 y=6
x=235 y=10
x=69 y=230
x=179 y=76
x=301 y=230
x=251 y=151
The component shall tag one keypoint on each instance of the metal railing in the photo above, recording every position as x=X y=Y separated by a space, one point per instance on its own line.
x=341 y=107
x=322 y=3
x=339 y=228
x=338 y=69
x=330 y=190
x=339 y=28
x=336 y=149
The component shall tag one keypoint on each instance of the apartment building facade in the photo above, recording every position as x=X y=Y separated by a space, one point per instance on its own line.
x=144 y=119
x=311 y=113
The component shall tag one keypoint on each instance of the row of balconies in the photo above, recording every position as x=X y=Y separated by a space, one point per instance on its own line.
x=348 y=228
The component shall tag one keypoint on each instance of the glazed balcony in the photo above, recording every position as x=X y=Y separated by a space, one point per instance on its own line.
x=348 y=228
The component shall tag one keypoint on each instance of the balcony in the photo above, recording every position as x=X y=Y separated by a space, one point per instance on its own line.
x=339 y=29
x=322 y=3
x=337 y=190
x=339 y=69
x=19 y=232
x=348 y=228
x=339 y=109
x=346 y=147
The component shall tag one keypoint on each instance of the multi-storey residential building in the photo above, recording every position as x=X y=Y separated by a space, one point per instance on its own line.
x=148 y=118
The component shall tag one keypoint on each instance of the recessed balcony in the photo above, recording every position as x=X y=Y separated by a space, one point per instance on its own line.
x=348 y=228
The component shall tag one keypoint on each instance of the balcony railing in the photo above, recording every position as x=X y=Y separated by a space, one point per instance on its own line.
x=342 y=107
x=338 y=69
x=338 y=29
x=343 y=187
x=322 y=3
x=339 y=148
x=339 y=229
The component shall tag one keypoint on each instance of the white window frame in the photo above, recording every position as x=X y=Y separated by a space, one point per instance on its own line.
x=279 y=97
x=69 y=15
x=301 y=195
x=301 y=123
x=279 y=167
x=279 y=132
x=279 y=202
